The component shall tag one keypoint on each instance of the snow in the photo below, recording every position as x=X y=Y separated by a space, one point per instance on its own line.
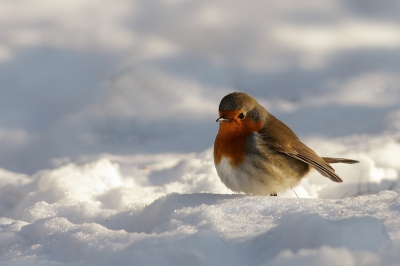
x=107 y=121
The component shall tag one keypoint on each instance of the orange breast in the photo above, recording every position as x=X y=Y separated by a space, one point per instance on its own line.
x=231 y=140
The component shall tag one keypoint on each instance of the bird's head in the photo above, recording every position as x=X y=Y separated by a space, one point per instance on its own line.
x=240 y=113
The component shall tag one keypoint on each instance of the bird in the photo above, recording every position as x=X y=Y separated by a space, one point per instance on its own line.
x=256 y=153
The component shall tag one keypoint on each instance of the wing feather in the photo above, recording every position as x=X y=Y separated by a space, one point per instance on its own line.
x=305 y=154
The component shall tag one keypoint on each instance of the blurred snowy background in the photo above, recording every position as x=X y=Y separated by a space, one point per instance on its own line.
x=128 y=77
x=118 y=101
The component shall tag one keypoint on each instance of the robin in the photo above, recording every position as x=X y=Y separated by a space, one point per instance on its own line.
x=257 y=154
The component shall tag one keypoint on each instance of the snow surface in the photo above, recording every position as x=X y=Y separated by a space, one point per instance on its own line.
x=107 y=120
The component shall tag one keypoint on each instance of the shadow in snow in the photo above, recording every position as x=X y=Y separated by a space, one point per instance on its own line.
x=311 y=231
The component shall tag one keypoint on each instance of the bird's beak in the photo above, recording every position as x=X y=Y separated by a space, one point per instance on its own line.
x=223 y=119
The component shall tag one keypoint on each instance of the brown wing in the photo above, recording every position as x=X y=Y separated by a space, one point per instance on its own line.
x=280 y=138
x=303 y=153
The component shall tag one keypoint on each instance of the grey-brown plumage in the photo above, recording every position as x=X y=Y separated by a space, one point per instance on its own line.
x=280 y=138
x=271 y=159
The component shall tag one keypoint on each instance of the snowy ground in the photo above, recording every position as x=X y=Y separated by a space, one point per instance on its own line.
x=107 y=120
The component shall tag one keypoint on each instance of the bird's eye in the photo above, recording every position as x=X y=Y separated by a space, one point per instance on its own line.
x=242 y=116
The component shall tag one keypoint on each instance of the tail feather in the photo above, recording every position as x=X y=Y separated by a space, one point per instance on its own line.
x=339 y=160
